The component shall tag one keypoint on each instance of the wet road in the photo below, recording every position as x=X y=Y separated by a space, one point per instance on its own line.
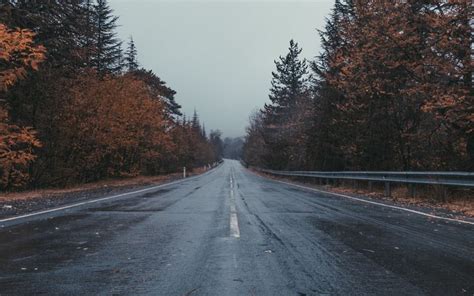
x=230 y=232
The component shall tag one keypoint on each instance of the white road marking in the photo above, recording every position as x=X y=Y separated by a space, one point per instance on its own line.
x=96 y=200
x=234 y=225
x=233 y=209
x=234 y=221
x=377 y=203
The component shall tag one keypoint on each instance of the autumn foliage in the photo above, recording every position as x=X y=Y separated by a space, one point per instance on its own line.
x=391 y=90
x=18 y=54
x=72 y=111
x=111 y=128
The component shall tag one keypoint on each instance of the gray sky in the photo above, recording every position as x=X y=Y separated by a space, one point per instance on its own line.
x=219 y=55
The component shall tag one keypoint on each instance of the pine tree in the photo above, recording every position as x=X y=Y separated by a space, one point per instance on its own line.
x=289 y=87
x=289 y=81
x=195 y=122
x=326 y=137
x=204 y=133
x=59 y=26
x=160 y=90
x=131 y=56
x=107 y=47
x=215 y=139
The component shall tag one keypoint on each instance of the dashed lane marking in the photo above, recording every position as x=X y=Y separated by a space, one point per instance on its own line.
x=234 y=221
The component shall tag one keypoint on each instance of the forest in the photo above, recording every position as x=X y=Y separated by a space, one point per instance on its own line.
x=391 y=89
x=76 y=106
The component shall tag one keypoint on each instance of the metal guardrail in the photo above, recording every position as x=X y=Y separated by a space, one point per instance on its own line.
x=458 y=179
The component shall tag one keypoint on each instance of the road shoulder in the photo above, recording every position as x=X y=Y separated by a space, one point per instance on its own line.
x=435 y=211
x=22 y=203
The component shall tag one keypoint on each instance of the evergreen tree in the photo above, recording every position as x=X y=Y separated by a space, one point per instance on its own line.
x=289 y=86
x=289 y=80
x=159 y=89
x=131 y=56
x=58 y=25
x=195 y=122
x=107 y=47
x=204 y=133
x=215 y=139
x=326 y=129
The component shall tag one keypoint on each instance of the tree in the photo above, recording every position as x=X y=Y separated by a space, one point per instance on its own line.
x=395 y=61
x=17 y=152
x=131 y=56
x=107 y=47
x=289 y=85
x=110 y=127
x=215 y=139
x=58 y=25
x=330 y=134
x=92 y=120
x=289 y=80
x=255 y=148
x=391 y=90
x=448 y=79
x=18 y=54
x=233 y=148
x=160 y=90
x=203 y=153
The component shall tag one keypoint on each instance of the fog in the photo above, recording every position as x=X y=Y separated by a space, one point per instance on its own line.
x=218 y=56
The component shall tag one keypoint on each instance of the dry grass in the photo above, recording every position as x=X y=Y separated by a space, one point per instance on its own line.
x=113 y=183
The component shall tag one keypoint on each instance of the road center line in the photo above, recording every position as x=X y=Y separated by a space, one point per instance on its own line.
x=234 y=226
x=234 y=222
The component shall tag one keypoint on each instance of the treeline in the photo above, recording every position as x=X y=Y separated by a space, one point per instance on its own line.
x=233 y=148
x=390 y=90
x=77 y=107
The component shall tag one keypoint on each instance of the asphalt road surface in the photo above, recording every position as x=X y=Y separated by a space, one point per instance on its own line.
x=230 y=232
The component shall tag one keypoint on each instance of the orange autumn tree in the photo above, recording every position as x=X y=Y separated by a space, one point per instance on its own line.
x=111 y=127
x=374 y=75
x=18 y=54
x=449 y=55
x=403 y=61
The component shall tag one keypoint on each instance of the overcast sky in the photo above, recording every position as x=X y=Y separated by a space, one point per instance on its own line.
x=219 y=55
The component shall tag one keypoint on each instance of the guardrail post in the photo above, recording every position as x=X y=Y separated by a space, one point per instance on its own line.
x=371 y=186
x=388 y=190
